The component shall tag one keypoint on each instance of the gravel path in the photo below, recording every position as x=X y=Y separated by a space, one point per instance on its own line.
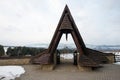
x=70 y=72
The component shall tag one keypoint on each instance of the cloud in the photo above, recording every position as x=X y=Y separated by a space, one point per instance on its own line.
x=34 y=21
x=98 y=19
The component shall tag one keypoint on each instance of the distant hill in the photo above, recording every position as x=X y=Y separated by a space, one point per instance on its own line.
x=72 y=46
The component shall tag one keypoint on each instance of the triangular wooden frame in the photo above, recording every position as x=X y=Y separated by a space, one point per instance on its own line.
x=71 y=28
x=66 y=25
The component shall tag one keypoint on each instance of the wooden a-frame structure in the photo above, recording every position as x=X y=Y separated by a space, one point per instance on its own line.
x=66 y=25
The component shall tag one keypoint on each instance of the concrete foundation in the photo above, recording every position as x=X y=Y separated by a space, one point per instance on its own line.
x=84 y=68
x=111 y=59
x=47 y=67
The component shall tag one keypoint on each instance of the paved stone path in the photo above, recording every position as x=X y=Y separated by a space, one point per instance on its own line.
x=70 y=72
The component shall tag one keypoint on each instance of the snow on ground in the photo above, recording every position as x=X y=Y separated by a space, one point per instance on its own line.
x=70 y=56
x=10 y=72
x=117 y=63
x=67 y=56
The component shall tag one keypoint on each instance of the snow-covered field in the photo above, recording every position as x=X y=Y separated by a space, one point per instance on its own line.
x=67 y=56
x=10 y=72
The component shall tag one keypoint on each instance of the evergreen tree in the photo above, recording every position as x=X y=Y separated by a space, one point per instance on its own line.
x=2 y=52
x=9 y=51
x=23 y=51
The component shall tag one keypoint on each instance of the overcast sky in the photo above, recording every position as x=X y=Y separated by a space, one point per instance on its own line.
x=34 y=21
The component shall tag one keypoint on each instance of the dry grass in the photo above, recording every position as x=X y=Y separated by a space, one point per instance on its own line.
x=14 y=61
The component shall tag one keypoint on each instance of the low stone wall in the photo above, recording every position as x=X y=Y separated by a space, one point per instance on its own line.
x=14 y=61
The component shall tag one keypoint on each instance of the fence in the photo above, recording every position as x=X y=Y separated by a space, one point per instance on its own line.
x=117 y=58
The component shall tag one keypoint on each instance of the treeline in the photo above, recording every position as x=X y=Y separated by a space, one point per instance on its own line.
x=2 y=51
x=23 y=51
x=66 y=50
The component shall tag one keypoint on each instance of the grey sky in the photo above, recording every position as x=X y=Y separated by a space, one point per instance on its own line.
x=34 y=21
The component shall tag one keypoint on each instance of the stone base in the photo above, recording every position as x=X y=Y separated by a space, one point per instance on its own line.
x=84 y=68
x=111 y=59
x=47 y=67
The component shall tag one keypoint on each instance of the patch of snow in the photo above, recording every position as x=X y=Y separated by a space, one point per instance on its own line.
x=117 y=63
x=67 y=56
x=5 y=48
x=10 y=72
